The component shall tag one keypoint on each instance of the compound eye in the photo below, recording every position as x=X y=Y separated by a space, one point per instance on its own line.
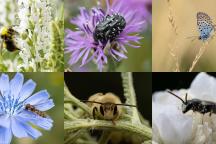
x=101 y=110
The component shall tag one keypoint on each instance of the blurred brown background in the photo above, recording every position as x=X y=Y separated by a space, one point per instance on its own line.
x=184 y=12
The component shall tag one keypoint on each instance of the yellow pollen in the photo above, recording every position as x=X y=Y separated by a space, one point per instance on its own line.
x=4 y=31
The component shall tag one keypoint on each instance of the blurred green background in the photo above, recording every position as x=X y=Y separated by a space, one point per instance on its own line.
x=53 y=83
x=138 y=59
x=184 y=13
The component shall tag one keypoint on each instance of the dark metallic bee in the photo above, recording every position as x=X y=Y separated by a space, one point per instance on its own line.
x=34 y=110
x=7 y=36
x=196 y=105
x=109 y=28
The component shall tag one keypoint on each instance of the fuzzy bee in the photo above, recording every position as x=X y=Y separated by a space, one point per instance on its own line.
x=196 y=105
x=8 y=38
x=32 y=108
x=106 y=106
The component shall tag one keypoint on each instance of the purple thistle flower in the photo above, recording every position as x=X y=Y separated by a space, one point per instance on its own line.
x=143 y=6
x=101 y=34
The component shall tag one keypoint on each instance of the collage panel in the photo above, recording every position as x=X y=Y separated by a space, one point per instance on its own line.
x=31 y=36
x=183 y=108
x=91 y=72
x=183 y=36
x=31 y=108
x=107 y=108
x=108 y=35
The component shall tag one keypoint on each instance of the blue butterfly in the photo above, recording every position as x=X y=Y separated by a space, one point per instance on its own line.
x=205 y=25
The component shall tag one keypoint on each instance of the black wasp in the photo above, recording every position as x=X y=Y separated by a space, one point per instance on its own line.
x=109 y=28
x=196 y=105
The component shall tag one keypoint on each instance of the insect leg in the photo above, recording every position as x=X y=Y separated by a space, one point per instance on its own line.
x=94 y=112
x=115 y=114
x=202 y=118
x=210 y=112
x=1 y=48
x=113 y=121
x=101 y=110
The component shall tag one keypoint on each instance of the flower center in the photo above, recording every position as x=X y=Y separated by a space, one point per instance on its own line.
x=109 y=28
x=9 y=105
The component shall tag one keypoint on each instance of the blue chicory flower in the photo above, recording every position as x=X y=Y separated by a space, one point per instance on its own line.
x=15 y=119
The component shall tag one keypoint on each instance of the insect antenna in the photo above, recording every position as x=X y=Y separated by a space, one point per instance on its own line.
x=91 y=101
x=126 y=105
x=104 y=103
x=186 y=98
x=178 y=96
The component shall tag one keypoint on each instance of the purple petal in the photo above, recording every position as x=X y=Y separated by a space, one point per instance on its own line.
x=86 y=56
x=119 y=54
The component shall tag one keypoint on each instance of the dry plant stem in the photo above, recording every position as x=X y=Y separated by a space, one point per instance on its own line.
x=175 y=28
x=198 y=56
x=129 y=93
x=75 y=101
x=171 y=18
x=141 y=130
x=68 y=115
x=80 y=141
x=72 y=138
x=175 y=56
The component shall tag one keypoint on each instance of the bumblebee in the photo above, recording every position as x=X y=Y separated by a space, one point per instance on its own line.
x=8 y=35
x=106 y=106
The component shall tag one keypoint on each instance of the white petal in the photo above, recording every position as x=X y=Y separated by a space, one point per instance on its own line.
x=204 y=87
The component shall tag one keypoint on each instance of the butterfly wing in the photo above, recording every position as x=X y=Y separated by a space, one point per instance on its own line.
x=205 y=25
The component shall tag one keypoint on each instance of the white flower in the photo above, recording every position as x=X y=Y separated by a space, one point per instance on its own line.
x=171 y=126
x=31 y=12
x=7 y=9
x=32 y=19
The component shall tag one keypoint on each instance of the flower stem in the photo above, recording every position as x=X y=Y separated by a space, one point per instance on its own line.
x=112 y=65
x=143 y=131
x=198 y=56
x=129 y=93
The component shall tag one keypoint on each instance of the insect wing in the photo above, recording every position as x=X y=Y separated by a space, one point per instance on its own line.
x=205 y=25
